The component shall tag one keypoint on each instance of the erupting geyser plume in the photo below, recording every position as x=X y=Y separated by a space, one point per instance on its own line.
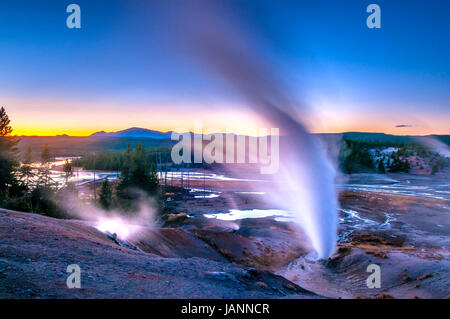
x=305 y=183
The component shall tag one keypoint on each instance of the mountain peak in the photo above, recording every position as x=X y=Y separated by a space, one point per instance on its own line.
x=134 y=132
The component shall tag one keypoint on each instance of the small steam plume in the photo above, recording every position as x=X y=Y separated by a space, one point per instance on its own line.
x=435 y=145
x=305 y=183
x=126 y=225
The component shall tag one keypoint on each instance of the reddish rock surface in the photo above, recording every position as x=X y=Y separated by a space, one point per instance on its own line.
x=36 y=250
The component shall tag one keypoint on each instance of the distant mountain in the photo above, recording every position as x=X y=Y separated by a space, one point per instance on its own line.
x=142 y=133
x=134 y=132
x=64 y=145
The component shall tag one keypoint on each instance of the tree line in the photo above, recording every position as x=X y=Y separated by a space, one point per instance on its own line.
x=30 y=188
x=114 y=160
x=355 y=157
x=138 y=178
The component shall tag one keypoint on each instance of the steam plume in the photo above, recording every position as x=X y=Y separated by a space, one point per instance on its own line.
x=435 y=145
x=125 y=225
x=306 y=179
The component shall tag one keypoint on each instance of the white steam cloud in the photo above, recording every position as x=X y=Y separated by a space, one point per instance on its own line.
x=126 y=225
x=305 y=183
x=435 y=145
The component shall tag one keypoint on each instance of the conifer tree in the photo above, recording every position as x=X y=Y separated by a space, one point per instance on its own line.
x=44 y=172
x=106 y=197
x=9 y=155
x=68 y=171
x=28 y=158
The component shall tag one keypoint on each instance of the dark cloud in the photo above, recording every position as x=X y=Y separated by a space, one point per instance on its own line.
x=404 y=125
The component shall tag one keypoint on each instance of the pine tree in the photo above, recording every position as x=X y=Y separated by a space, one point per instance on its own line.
x=26 y=174
x=139 y=168
x=381 y=168
x=406 y=166
x=5 y=128
x=137 y=174
x=28 y=158
x=153 y=180
x=67 y=168
x=123 y=191
x=8 y=158
x=106 y=197
x=143 y=175
x=44 y=172
x=126 y=167
x=45 y=155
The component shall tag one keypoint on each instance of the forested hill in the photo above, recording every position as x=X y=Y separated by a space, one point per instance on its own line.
x=64 y=145
x=384 y=138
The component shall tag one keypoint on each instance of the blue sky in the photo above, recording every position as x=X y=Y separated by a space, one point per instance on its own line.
x=352 y=77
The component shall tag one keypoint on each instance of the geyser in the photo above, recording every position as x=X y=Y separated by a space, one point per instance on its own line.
x=305 y=183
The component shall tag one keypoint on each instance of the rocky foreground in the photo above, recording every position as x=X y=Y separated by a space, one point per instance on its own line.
x=190 y=256
x=36 y=250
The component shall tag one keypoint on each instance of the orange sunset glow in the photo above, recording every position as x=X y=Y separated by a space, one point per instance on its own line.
x=83 y=118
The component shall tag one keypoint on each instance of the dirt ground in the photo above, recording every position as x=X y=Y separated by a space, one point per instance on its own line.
x=36 y=250
x=189 y=255
x=408 y=236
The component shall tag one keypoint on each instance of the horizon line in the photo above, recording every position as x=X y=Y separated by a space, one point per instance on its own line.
x=314 y=133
